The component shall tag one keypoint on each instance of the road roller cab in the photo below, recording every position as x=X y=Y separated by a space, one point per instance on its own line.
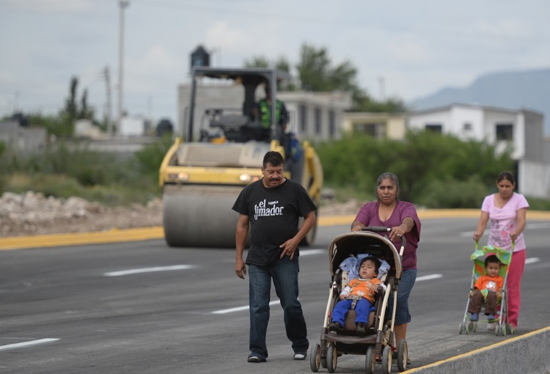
x=202 y=176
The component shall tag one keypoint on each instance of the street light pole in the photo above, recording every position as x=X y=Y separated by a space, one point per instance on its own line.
x=122 y=4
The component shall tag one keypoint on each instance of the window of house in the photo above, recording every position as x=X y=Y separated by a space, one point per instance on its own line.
x=467 y=126
x=317 y=121
x=505 y=131
x=303 y=119
x=436 y=128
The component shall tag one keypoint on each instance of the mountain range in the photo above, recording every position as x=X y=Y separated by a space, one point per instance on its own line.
x=529 y=89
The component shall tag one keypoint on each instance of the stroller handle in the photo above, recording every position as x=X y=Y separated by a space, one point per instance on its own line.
x=383 y=229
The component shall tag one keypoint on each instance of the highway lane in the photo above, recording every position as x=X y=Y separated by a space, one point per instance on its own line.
x=141 y=307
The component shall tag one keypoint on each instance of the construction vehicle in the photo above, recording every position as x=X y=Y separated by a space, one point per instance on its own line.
x=202 y=176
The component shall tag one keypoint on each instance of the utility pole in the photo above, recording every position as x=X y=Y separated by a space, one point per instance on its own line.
x=122 y=4
x=108 y=111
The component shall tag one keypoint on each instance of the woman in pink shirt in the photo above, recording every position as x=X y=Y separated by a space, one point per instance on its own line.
x=507 y=211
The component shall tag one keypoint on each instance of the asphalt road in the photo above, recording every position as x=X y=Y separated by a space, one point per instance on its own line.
x=141 y=307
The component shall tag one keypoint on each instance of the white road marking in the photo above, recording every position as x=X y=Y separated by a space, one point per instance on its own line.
x=26 y=344
x=532 y=260
x=308 y=252
x=540 y=225
x=148 y=270
x=240 y=308
x=428 y=277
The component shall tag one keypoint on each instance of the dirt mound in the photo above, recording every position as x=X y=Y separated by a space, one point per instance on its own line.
x=32 y=213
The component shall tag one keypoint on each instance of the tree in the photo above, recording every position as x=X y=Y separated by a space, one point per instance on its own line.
x=316 y=73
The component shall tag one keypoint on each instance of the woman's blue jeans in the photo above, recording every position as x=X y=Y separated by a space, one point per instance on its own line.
x=284 y=273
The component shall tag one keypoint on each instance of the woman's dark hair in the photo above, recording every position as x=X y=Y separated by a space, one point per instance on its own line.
x=390 y=176
x=506 y=175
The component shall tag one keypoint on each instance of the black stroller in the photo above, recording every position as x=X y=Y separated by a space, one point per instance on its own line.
x=378 y=342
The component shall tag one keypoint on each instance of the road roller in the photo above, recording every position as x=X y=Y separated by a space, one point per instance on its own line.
x=202 y=176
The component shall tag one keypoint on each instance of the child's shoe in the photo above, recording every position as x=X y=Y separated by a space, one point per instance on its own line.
x=474 y=317
x=336 y=327
x=361 y=329
x=491 y=317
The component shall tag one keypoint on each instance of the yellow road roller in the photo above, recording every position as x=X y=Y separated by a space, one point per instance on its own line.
x=202 y=176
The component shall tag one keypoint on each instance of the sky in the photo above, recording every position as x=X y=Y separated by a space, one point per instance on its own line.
x=401 y=49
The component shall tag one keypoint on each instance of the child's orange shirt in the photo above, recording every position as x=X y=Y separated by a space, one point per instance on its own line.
x=360 y=287
x=489 y=283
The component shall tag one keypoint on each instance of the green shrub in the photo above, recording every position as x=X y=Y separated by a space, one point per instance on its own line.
x=454 y=194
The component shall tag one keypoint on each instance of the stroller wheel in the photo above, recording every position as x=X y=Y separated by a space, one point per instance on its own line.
x=387 y=360
x=402 y=355
x=315 y=357
x=332 y=358
x=370 y=360
x=462 y=328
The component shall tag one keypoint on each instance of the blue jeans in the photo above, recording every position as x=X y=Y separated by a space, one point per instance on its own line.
x=284 y=273
x=402 y=315
x=362 y=310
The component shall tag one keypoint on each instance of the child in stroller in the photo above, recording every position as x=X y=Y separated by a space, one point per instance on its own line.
x=377 y=344
x=358 y=295
x=497 y=316
x=488 y=288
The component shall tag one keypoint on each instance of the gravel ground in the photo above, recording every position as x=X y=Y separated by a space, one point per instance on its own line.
x=32 y=213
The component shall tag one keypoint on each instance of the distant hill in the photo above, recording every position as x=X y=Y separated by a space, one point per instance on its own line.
x=528 y=89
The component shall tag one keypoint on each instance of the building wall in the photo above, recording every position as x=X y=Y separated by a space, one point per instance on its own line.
x=379 y=125
x=23 y=139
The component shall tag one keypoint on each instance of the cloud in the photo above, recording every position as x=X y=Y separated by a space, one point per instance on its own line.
x=50 y=6
x=407 y=51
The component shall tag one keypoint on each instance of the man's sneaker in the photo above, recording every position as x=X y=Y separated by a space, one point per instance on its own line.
x=300 y=355
x=491 y=317
x=336 y=327
x=474 y=317
x=255 y=358
x=361 y=329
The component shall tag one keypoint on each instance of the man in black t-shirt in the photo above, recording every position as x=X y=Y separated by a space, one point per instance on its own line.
x=271 y=208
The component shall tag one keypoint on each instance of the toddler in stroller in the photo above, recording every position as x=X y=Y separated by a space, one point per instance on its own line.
x=488 y=288
x=358 y=295
x=375 y=340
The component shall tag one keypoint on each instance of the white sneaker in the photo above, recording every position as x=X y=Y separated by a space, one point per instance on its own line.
x=300 y=355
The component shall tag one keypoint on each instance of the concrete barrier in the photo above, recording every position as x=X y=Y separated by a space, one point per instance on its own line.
x=525 y=354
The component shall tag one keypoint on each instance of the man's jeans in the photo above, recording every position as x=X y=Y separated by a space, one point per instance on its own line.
x=284 y=273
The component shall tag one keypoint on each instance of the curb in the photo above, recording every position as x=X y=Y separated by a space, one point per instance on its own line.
x=527 y=354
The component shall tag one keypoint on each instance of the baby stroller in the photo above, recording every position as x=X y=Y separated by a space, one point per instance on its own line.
x=501 y=319
x=377 y=343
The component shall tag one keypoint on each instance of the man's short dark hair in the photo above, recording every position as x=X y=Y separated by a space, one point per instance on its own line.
x=492 y=260
x=274 y=158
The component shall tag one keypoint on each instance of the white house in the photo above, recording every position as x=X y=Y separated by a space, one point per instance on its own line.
x=521 y=129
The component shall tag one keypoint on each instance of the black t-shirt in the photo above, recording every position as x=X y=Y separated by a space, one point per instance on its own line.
x=273 y=215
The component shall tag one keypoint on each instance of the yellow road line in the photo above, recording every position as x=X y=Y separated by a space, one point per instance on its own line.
x=147 y=233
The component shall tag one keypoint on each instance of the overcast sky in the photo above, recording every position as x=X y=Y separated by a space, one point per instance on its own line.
x=405 y=49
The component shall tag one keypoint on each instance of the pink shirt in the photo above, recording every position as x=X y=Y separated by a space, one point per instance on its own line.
x=504 y=221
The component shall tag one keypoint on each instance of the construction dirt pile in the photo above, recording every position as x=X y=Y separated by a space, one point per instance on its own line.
x=32 y=213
